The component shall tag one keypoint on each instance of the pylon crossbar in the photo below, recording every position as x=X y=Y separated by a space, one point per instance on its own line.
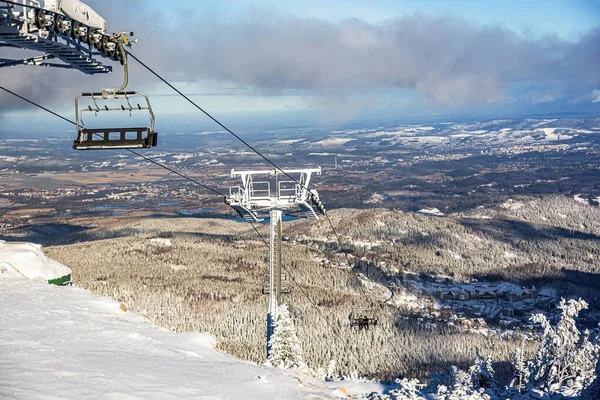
x=263 y=195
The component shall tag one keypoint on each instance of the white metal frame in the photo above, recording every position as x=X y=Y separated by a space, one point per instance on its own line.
x=255 y=200
x=18 y=30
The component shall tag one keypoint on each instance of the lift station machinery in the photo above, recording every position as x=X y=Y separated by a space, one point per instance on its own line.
x=69 y=34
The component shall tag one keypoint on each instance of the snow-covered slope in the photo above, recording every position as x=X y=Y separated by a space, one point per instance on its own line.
x=28 y=260
x=60 y=342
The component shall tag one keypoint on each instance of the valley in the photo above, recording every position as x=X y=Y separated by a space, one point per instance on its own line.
x=453 y=234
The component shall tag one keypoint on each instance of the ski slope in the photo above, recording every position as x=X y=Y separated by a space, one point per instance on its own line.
x=29 y=260
x=62 y=342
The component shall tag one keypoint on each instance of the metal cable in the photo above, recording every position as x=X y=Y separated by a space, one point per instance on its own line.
x=335 y=330
x=248 y=145
x=171 y=170
x=337 y=236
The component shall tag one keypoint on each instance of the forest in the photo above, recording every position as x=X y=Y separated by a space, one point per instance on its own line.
x=207 y=275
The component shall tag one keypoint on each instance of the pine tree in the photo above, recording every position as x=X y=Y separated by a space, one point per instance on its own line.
x=331 y=371
x=592 y=392
x=522 y=373
x=459 y=386
x=286 y=350
x=585 y=361
x=482 y=372
x=564 y=361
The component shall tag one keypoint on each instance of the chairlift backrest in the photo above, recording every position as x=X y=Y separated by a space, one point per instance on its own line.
x=114 y=138
x=128 y=101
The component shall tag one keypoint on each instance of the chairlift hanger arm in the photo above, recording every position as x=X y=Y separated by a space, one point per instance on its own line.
x=100 y=139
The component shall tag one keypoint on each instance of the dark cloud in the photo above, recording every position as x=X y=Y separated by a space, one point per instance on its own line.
x=447 y=59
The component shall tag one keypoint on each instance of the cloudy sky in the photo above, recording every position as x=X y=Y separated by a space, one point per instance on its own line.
x=348 y=58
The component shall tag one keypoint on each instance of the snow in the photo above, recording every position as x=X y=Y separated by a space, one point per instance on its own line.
x=376 y=198
x=406 y=300
x=512 y=205
x=431 y=211
x=422 y=128
x=365 y=243
x=580 y=199
x=290 y=141
x=161 y=242
x=182 y=157
x=61 y=342
x=551 y=135
x=334 y=142
x=28 y=260
x=374 y=289
x=478 y=132
x=480 y=216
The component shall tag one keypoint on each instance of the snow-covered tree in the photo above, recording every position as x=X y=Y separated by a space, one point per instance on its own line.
x=285 y=348
x=565 y=361
x=482 y=372
x=585 y=361
x=459 y=386
x=522 y=373
x=331 y=371
x=592 y=392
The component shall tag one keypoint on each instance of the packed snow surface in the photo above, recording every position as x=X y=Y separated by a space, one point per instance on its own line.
x=61 y=342
x=28 y=259
x=334 y=142
x=580 y=199
x=431 y=211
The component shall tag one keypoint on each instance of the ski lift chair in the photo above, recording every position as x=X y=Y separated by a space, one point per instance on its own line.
x=114 y=138
x=363 y=319
x=135 y=137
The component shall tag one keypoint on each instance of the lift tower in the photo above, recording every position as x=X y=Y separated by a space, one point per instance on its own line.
x=274 y=196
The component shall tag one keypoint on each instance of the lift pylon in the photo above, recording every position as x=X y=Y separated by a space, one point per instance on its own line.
x=274 y=271
x=274 y=196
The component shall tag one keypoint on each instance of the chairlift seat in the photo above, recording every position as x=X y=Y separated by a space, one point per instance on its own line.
x=363 y=319
x=101 y=138
x=115 y=138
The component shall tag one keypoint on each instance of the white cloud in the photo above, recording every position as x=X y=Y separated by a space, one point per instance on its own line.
x=446 y=60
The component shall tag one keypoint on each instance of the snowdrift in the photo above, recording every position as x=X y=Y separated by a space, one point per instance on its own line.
x=66 y=343
x=29 y=260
